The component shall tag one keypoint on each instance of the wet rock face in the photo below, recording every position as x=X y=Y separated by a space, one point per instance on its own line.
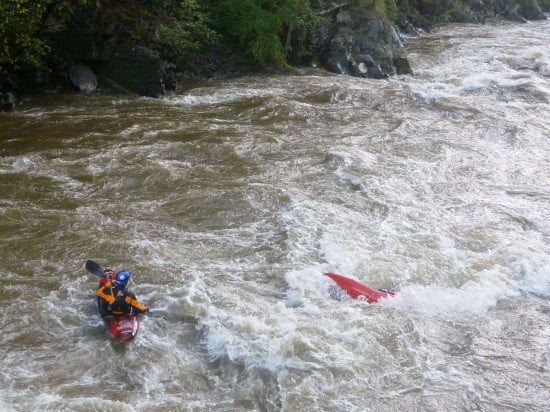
x=513 y=14
x=137 y=70
x=97 y=53
x=363 y=47
x=7 y=102
x=531 y=10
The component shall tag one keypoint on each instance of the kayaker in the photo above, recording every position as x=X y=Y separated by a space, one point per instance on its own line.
x=114 y=298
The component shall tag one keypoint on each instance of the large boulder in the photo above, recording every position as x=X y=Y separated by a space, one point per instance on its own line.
x=365 y=47
x=135 y=69
x=82 y=77
x=531 y=10
x=7 y=102
x=513 y=14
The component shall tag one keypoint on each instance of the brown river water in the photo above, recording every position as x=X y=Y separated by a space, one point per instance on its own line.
x=229 y=200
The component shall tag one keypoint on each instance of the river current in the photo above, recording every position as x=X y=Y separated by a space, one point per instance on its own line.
x=228 y=200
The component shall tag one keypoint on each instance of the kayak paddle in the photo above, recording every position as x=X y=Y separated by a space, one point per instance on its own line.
x=94 y=268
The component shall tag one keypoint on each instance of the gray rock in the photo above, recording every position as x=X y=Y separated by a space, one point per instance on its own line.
x=532 y=11
x=513 y=14
x=169 y=76
x=7 y=102
x=402 y=65
x=82 y=77
x=363 y=47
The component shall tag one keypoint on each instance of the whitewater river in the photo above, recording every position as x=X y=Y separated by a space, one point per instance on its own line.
x=229 y=200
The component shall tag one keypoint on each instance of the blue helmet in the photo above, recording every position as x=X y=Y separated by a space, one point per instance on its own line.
x=122 y=277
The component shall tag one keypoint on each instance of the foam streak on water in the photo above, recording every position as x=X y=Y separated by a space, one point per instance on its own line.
x=229 y=200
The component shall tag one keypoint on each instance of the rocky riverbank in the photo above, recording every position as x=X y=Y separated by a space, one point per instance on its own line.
x=96 y=52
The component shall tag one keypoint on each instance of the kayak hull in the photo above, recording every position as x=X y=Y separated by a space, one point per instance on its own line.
x=358 y=290
x=122 y=327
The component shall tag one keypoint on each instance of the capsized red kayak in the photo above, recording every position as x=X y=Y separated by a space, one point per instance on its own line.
x=356 y=289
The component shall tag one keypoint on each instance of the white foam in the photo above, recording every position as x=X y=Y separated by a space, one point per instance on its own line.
x=264 y=342
x=21 y=164
x=207 y=97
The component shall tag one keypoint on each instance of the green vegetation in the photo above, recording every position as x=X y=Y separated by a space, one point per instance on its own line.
x=26 y=27
x=266 y=31
x=179 y=28
x=263 y=28
x=381 y=9
x=21 y=42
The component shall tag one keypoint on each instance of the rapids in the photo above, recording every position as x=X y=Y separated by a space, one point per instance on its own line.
x=230 y=199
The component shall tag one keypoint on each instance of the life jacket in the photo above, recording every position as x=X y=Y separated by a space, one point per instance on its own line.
x=119 y=305
x=120 y=301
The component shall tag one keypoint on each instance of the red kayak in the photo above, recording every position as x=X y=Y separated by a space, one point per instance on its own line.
x=122 y=327
x=356 y=289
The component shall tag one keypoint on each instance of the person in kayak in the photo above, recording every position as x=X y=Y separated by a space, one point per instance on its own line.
x=113 y=297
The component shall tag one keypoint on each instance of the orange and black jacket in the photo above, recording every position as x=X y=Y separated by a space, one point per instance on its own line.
x=117 y=300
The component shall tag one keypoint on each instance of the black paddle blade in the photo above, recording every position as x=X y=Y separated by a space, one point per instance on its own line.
x=94 y=268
